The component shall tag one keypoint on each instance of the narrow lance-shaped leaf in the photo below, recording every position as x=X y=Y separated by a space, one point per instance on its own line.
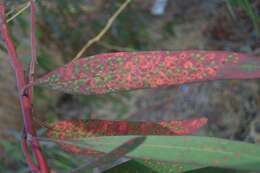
x=96 y=127
x=67 y=132
x=76 y=129
x=133 y=70
x=141 y=166
x=200 y=151
x=136 y=165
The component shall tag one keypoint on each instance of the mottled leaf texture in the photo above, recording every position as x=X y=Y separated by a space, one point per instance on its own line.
x=86 y=128
x=109 y=72
x=70 y=131
x=200 y=151
x=77 y=129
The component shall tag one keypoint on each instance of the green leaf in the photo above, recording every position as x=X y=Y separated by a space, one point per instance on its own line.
x=215 y=170
x=201 y=151
x=139 y=166
x=109 y=159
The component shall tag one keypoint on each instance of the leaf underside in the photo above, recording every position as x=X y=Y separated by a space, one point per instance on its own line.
x=109 y=72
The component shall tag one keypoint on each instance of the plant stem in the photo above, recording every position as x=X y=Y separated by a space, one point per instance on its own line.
x=33 y=167
x=25 y=100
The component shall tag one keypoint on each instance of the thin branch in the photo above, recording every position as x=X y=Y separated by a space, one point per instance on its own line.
x=19 y=12
x=103 y=31
x=33 y=47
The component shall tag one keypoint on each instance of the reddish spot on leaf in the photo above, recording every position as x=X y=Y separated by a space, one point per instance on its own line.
x=109 y=72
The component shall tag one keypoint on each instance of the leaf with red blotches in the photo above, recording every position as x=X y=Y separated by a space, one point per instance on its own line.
x=80 y=128
x=109 y=72
x=76 y=129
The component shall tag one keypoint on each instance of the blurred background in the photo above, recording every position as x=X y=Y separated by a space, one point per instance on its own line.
x=64 y=26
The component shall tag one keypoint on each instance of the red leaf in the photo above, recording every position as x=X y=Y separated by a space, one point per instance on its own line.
x=133 y=70
x=76 y=129
x=79 y=129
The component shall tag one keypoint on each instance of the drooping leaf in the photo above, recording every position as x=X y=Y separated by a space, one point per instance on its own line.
x=152 y=166
x=133 y=70
x=95 y=127
x=138 y=166
x=200 y=151
x=109 y=159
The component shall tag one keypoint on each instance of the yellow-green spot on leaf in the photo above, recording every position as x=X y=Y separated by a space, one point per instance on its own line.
x=167 y=52
x=146 y=83
x=249 y=67
x=178 y=128
x=55 y=135
x=78 y=83
x=169 y=72
x=100 y=67
x=204 y=74
x=86 y=68
x=98 y=80
x=178 y=69
x=120 y=60
x=76 y=69
x=108 y=77
x=81 y=81
x=76 y=86
x=53 y=78
x=230 y=58
x=110 y=61
x=193 y=68
x=199 y=57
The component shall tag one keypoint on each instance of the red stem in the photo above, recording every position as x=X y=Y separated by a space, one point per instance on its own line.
x=25 y=100
x=33 y=167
